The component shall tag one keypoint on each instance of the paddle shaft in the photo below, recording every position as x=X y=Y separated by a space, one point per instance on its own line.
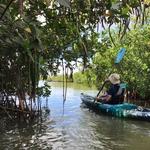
x=103 y=85
x=101 y=88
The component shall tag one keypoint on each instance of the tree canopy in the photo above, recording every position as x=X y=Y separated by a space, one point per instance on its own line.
x=35 y=35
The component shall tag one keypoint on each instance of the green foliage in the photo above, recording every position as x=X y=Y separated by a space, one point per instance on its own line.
x=135 y=66
x=44 y=90
x=80 y=78
x=85 y=78
x=32 y=48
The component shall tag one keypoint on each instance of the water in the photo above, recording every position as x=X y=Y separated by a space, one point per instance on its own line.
x=74 y=127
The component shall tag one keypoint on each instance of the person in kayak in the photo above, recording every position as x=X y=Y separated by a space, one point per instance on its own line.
x=114 y=95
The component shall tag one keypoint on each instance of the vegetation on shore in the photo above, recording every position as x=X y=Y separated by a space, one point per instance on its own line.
x=134 y=68
x=32 y=48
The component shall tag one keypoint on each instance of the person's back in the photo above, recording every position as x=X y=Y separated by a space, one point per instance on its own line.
x=117 y=94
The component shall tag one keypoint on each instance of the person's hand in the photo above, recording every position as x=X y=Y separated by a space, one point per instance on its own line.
x=98 y=98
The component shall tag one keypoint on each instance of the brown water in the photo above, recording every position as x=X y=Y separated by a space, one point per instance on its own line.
x=74 y=127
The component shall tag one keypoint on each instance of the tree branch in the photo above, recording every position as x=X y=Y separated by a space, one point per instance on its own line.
x=6 y=9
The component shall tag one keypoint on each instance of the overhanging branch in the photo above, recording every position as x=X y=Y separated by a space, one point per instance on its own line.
x=6 y=9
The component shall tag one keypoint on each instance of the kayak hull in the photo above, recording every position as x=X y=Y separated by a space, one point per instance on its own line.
x=125 y=110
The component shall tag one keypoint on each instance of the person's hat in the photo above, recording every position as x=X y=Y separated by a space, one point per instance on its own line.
x=114 y=78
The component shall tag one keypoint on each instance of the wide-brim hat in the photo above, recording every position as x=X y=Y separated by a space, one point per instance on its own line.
x=114 y=78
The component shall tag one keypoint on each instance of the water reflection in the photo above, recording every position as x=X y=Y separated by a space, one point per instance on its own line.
x=74 y=127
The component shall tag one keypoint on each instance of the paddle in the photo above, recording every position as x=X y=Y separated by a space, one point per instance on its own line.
x=118 y=59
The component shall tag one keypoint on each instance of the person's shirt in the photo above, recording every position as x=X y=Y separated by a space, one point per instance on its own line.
x=114 y=88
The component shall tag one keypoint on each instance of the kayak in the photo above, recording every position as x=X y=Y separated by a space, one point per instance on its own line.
x=124 y=110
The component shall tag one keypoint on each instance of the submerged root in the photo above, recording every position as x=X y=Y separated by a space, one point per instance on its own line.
x=10 y=107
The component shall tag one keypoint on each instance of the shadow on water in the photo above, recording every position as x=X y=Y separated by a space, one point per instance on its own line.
x=40 y=133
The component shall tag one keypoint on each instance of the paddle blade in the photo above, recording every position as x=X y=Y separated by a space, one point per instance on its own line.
x=120 y=55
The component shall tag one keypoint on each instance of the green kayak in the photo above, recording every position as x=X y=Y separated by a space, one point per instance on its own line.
x=125 y=110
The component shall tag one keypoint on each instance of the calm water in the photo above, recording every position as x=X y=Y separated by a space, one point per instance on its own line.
x=74 y=127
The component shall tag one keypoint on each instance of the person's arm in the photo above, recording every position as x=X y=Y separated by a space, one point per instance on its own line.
x=108 y=98
x=104 y=97
x=109 y=93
